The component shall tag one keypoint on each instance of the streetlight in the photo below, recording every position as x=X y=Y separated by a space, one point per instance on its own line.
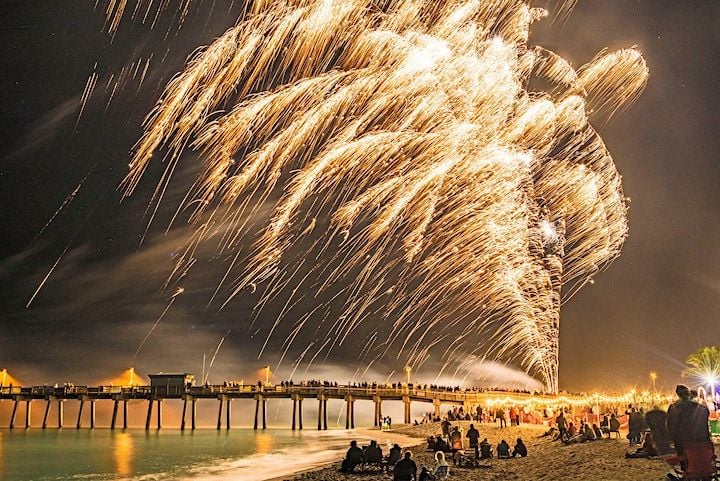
x=653 y=376
x=267 y=375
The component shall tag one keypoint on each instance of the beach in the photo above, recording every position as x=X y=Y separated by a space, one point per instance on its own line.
x=602 y=460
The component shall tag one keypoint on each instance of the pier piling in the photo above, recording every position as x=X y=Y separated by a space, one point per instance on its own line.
x=149 y=414
x=114 y=414
x=92 y=414
x=193 y=413
x=125 y=414
x=220 y=406
x=182 y=419
x=79 y=419
x=47 y=412
x=14 y=413
x=28 y=414
x=227 y=413
x=61 y=413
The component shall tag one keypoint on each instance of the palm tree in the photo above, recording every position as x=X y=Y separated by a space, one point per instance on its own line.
x=704 y=364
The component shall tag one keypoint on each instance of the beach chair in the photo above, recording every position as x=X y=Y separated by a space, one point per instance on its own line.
x=442 y=473
x=698 y=462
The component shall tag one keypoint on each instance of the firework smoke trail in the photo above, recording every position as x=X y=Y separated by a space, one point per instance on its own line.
x=179 y=291
x=463 y=199
x=212 y=360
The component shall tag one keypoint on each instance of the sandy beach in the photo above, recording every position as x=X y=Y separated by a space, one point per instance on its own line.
x=595 y=461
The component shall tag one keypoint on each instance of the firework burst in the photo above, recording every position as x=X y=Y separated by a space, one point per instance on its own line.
x=405 y=139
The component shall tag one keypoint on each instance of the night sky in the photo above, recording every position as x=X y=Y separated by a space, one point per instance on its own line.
x=655 y=305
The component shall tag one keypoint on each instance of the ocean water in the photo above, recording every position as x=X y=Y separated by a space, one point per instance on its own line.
x=205 y=454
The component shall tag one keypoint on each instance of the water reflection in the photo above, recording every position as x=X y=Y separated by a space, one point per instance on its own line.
x=123 y=448
x=263 y=442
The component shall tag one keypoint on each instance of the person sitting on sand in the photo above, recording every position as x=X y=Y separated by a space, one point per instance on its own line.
x=520 y=449
x=353 y=457
x=373 y=453
x=605 y=424
x=571 y=430
x=614 y=424
x=442 y=445
x=485 y=449
x=598 y=432
x=431 y=443
x=393 y=456
x=647 y=450
x=405 y=469
x=425 y=474
x=503 y=450
x=589 y=432
x=440 y=465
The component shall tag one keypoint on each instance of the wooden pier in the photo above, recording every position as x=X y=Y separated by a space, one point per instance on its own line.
x=189 y=395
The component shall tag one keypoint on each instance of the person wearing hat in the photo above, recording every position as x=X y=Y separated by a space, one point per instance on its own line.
x=687 y=420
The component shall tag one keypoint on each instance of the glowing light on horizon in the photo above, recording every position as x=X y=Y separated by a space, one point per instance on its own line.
x=456 y=195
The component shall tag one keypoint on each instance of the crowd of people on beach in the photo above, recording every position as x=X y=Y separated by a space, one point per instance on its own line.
x=652 y=434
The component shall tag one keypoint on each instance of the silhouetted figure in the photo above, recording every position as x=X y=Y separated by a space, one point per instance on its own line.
x=614 y=424
x=405 y=469
x=562 y=426
x=485 y=449
x=503 y=450
x=474 y=436
x=687 y=421
x=373 y=453
x=635 y=425
x=353 y=457
x=520 y=449
x=393 y=456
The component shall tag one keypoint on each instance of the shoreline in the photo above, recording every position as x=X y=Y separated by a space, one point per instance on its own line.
x=405 y=440
x=601 y=460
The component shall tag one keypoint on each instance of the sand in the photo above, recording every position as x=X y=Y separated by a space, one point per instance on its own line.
x=602 y=460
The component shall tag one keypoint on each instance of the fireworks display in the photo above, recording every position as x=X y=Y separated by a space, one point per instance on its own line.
x=440 y=173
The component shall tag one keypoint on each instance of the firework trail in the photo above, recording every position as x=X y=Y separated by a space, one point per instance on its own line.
x=212 y=360
x=405 y=138
x=178 y=291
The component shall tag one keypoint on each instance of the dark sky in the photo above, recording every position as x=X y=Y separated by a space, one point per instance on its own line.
x=657 y=303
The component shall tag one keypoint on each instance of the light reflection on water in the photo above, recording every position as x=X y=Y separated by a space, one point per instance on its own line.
x=123 y=450
x=136 y=454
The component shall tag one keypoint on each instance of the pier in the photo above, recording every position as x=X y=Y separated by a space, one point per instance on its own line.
x=155 y=396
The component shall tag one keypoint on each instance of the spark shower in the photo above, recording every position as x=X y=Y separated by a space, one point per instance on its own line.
x=441 y=174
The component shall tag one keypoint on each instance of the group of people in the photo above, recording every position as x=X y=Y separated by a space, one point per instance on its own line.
x=370 y=455
x=451 y=441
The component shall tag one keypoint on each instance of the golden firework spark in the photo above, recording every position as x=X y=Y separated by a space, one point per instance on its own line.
x=457 y=197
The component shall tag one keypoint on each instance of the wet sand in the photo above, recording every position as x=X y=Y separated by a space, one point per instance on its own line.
x=602 y=460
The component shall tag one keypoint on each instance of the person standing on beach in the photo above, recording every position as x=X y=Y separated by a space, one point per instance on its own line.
x=687 y=420
x=500 y=416
x=561 y=425
x=474 y=436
